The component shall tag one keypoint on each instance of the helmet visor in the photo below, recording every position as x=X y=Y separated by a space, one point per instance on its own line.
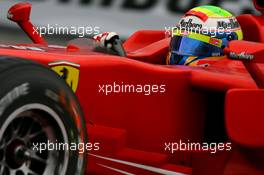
x=185 y=46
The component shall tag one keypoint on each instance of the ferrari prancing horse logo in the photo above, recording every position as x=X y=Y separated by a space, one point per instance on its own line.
x=68 y=71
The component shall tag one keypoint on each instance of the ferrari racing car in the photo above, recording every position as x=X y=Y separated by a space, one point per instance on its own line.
x=75 y=109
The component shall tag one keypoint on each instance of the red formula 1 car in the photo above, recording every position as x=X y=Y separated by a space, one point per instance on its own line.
x=141 y=116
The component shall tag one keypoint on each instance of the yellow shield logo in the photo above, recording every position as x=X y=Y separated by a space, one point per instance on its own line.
x=68 y=71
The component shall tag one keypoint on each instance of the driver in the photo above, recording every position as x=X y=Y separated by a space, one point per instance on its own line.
x=201 y=35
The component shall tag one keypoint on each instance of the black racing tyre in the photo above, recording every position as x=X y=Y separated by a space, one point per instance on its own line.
x=41 y=122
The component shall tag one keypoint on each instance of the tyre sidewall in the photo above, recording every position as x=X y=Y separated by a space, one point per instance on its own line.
x=46 y=88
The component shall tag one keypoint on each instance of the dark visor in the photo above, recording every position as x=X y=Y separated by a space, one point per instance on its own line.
x=191 y=47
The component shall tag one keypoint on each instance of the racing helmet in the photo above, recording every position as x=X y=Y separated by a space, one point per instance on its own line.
x=202 y=33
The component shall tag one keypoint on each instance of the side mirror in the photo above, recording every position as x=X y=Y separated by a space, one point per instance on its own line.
x=244 y=115
x=245 y=51
x=250 y=53
x=19 y=12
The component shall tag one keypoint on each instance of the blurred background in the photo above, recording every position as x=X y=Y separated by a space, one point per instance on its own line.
x=122 y=16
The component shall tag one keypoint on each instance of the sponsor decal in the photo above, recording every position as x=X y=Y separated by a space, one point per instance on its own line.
x=232 y=24
x=68 y=71
x=190 y=25
x=241 y=56
x=214 y=41
x=11 y=96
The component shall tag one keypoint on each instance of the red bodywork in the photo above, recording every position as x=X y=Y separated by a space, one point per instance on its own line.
x=219 y=103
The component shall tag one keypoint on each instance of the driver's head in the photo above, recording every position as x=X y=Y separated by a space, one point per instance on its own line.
x=202 y=33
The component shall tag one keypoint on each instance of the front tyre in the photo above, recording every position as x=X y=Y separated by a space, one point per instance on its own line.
x=41 y=123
